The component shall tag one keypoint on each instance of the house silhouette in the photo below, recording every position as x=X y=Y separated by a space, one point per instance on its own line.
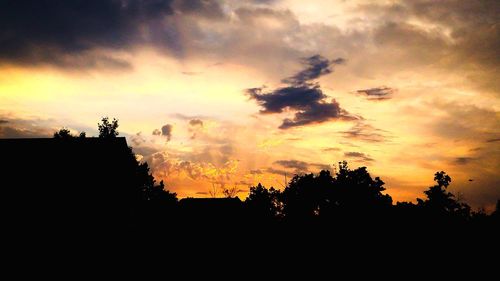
x=76 y=183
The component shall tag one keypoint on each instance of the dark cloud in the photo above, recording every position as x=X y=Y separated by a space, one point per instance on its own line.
x=377 y=94
x=3 y=122
x=276 y=171
x=301 y=166
x=316 y=66
x=156 y=132
x=493 y=140
x=196 y=122
x=293 y=164
x=205 y=8
x=365 y=132
x=166 y=131
x=463 y=160
x=195 y=127
x=303 y=97
x=298 y=98
x=317 y=113
x=47 y=31
x=358 y=156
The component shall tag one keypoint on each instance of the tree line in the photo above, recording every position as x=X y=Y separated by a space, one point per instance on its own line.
x=347 y=195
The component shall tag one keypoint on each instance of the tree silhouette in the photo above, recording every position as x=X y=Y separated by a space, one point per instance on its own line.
x=440 y=202
x=231 y=192
x=65 y=133
x=350 y=192
x=358 y=191
x=108 y=129
x=263 y=203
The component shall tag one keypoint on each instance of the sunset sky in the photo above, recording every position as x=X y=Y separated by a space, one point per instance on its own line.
x=232 y=93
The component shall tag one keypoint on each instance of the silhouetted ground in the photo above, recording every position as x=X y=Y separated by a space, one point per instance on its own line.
x=82 y=196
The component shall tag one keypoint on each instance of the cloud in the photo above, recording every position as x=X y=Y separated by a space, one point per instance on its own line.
x=12 y=127
x=276 y=171
x=10 y=132
x=365 y=132
x=137 y=139
x=205 y=8
x=464 y=121
x=301 y=166
x=81 y=34
x=298 y=98
x=493 y=140
x=169 y=166
x=256 y=172
x=195 y=122
x=318 y=113
x=156 y=132
x=328 y=149
x=293 y=164
x=358 y=156
x=44 y=31
x=377 y=94
x=316 y=66
x=463 y=160
x=303 y=97
x=458 y=36
x=166 y=131
x=195 y=127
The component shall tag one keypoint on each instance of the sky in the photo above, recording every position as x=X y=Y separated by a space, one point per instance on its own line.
x=227 y=94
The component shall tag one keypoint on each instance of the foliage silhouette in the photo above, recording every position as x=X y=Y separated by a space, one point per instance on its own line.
x=263 y=204
x=440 y=202
x=351 y=192
x=108 y=129
x=64 y=133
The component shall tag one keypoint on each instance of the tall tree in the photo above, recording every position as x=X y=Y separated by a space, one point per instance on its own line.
x=441 y=202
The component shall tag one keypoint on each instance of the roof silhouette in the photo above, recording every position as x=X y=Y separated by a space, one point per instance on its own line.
x=77 y=182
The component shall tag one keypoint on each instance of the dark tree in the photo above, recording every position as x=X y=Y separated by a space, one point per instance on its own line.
x=263 y=203
x=108 y=129
x=66 y=134
x=440 y=202
x=350 y=192
x=358 y=191
x=63 y=134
